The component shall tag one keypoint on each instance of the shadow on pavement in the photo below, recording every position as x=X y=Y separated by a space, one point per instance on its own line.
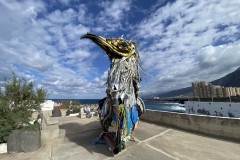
x=84 y=134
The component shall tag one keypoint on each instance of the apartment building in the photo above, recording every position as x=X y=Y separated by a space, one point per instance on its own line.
x=202 y=89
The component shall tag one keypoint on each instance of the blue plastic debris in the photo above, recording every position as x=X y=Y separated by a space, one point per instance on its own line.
x=99 y=142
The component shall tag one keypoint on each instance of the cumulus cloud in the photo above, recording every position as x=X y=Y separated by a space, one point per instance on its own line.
x=46 y=47
x=219 y=58
x=115 y=9
x=61 y=17
x=19 y=40
x=113 y=13
x=179 y=42
x=184 y=42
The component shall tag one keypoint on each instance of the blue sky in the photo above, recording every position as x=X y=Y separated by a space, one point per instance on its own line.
x=179 y=42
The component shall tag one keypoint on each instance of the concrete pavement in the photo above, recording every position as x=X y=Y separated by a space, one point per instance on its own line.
x=152 y=142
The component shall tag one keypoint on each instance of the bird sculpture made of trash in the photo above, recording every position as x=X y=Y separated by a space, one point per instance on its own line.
x=120 y=109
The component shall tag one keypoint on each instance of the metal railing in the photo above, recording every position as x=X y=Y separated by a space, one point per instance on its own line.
x=217 y=99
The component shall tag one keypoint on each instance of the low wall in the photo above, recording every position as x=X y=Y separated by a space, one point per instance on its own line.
x=227 y=128
x=224 y=109
x=24 y=141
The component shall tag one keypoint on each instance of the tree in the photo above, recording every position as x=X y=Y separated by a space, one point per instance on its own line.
x=68 y=104
x=75 y=106
x=65 y=103
x=18 y=100
x=76 y=102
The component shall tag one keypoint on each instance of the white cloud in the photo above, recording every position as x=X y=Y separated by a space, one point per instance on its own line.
x=113 y=15
x=115 y=9
x=182 y=42
x=74 y=32
x=64 y=17
x=104 y=76
x=179 y=43
x=48 y=46
x=219 y=58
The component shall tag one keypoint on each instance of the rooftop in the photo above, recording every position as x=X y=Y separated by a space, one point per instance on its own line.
x=151 y=142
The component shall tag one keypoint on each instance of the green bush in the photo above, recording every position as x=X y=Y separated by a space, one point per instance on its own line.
x=65 y=104
x=31 y=127
x=7 y=121
x=75 y=106
x=18 y=100
x=76 y=109
x=75 y=103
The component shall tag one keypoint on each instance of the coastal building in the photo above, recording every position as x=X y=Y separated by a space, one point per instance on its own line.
x=237 y=91
x=47 y=105
x=226 y=92
x=202 y=89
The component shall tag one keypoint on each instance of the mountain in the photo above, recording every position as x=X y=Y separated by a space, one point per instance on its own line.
x=230 y=80
x=183 y=91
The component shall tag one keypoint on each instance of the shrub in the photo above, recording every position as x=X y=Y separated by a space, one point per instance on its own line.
x=65 y=104
x=76 y=109
x=7 y=121
x=68 y=104
x=75 y=103
x=17 y=102
x=31 y=127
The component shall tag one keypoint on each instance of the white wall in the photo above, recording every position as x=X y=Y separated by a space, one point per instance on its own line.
x=47 y=105
x=224 y=109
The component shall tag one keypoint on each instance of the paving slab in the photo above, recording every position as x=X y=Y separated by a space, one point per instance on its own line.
x=75 y=124
x=152 y=142
x=78 y=142
x=141 y=152
x=189 y=146
x=146 y=130
x=74 y=151
x=41 y=154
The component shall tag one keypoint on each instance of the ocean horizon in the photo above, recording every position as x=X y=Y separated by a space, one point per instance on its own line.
x=169 y=106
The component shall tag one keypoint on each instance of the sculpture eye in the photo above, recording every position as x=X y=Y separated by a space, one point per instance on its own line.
x=123 y=43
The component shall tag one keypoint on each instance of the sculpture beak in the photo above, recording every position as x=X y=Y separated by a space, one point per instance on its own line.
x=89 y=35
x=114 y=47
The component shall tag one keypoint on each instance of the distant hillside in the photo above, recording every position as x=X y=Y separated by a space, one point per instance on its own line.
x=230 y=80
x=184 y=91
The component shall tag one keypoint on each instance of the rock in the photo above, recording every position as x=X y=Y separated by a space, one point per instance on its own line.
x=3 y=148
x=56 y=113
x=24 y=141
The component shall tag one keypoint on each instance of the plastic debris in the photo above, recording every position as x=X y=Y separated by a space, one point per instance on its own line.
x=99 y=142
x=120 y=109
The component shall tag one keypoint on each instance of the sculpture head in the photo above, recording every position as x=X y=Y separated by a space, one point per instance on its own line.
x=114 y=47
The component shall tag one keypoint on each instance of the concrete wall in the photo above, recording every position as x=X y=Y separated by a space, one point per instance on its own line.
x=50 y=128
x=224 y=109
x=24 y=141
x=228 y=128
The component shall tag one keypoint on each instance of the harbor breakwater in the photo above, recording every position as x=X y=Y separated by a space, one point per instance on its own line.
x=221 y=127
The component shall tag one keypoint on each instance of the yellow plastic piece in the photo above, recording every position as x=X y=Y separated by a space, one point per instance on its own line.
x=120 y=46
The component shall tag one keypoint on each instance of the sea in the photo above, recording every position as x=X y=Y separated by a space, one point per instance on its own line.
x=170 y=106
